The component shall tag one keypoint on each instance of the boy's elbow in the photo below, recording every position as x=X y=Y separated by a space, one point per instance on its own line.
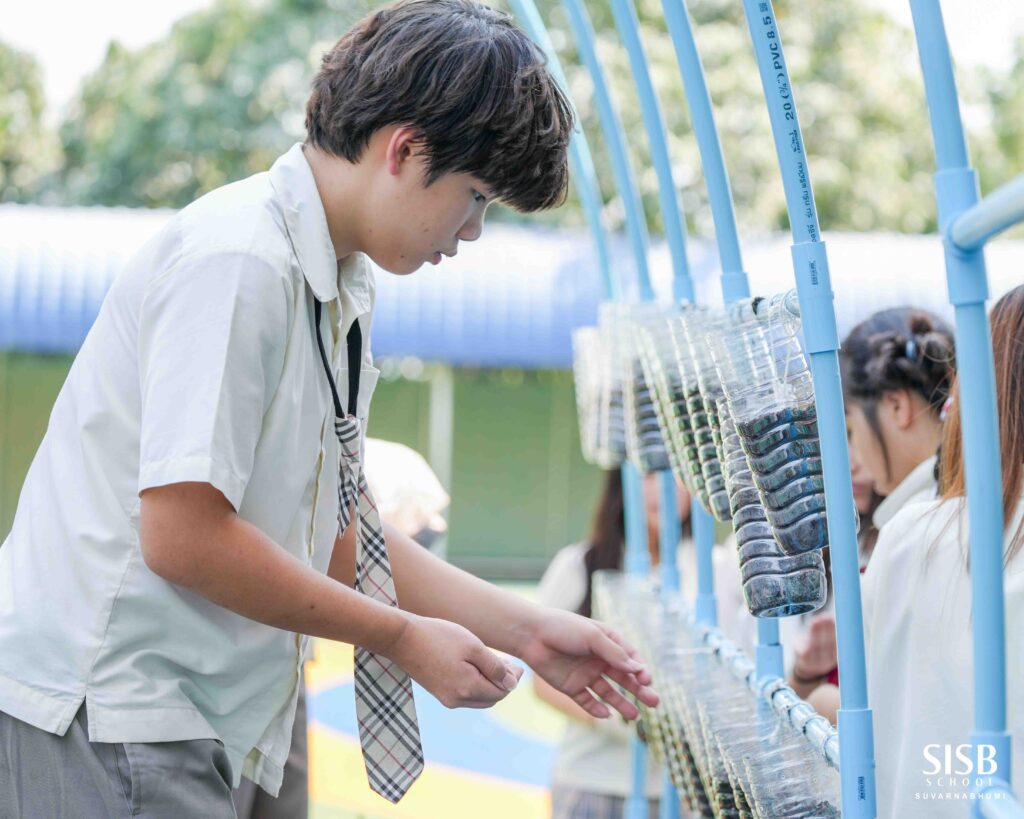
x=163 y=559
x=174 y=526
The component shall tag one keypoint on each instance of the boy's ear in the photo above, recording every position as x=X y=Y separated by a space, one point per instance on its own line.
x=401 y=147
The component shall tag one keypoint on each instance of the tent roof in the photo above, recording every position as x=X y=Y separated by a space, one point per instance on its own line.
x=511 y=299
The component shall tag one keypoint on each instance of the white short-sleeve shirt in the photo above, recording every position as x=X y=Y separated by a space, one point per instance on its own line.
x=920 y=671
x=201 y=366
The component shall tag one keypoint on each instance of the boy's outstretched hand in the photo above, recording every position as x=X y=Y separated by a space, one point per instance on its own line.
x=579 y=657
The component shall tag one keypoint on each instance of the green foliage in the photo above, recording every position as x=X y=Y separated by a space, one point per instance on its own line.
x=224 y=93
x=26 y=147
x=860 y=101
x=216 y=101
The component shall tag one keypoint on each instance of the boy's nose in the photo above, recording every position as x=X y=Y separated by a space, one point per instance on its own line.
x=471 y=231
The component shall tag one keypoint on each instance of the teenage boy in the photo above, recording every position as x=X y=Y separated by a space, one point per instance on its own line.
x=184 y=524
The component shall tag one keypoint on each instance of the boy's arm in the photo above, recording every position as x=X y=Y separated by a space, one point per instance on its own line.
x=572 y=653
x=191 y=536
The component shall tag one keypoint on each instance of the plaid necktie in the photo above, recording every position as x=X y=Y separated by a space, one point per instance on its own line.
x=388 y=731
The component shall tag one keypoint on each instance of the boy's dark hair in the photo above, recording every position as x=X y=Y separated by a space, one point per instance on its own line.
x=476 y=88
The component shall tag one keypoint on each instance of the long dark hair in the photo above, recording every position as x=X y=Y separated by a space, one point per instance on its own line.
x=1007 y=320
x=607 y=540
x=897 y=349
x=607 y=534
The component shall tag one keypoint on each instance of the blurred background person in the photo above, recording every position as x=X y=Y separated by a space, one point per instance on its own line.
x=917 y=606
x=593 y=765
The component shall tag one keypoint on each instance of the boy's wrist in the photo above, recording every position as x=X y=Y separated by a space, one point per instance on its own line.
x=387 y=633
x=524 y=629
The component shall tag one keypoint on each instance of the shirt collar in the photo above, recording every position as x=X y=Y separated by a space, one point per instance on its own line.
x=293 y=183
x=920 y=482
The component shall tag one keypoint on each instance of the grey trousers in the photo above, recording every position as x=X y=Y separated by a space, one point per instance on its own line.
x=252 y=802
x=45 y=776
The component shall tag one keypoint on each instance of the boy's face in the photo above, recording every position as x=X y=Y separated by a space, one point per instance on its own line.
x=414 y=224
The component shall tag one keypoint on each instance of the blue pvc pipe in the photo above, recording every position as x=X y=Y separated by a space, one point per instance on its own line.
x=822 y=341
x=1001 y=209
x=654 y=123
x=582 y=162
x=734 y=279
x=956 y=191
x=611 y=127
x=668 y=535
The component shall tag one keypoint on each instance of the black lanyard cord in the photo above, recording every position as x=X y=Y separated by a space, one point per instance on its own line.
x=354 y=342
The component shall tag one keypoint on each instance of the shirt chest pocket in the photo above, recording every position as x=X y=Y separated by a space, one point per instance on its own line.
x=368 y=376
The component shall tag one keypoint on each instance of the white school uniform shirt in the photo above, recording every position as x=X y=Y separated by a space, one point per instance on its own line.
x=918 y=645
x=201 y=366
x=919 y=485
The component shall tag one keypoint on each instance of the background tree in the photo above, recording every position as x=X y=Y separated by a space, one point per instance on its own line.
x=27 y=148
x=219 y=99
x=223 y=95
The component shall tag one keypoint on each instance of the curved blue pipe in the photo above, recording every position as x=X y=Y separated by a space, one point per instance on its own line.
x=734 y=279
x=580 y=158
x=675 y=226
x=611 y=127
x=810 y=264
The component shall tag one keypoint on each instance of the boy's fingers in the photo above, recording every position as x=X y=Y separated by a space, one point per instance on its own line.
x=635 y=686
x=606 y=691
x=617 y=653
x=592 y=705
x=494 y=669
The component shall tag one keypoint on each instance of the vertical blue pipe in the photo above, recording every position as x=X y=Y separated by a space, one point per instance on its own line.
x=956 y=188
x=611 y=127
x=582 y=162
x=636 y=559
x=810 y=264
x=668 y=544
x=735 y=285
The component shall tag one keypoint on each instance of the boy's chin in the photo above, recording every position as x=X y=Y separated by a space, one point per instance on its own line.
x=398 y=267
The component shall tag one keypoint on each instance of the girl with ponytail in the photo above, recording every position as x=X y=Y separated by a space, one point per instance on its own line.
x=917 y=609
x=897 y=369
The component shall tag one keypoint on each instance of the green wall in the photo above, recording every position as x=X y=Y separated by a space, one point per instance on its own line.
x=520 y=488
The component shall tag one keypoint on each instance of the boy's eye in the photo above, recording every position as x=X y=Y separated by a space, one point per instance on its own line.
x=479 y=197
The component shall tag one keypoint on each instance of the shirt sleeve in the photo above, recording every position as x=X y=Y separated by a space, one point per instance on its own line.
x=212 y=336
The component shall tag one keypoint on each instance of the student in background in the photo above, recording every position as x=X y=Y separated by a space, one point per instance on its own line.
x=917 y=608
x=593 y=766
x=897 y=368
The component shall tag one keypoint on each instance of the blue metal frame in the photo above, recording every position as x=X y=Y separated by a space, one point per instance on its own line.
x=966 y=224
x=810 y=265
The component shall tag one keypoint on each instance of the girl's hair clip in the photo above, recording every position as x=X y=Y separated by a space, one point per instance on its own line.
x=947 y=405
